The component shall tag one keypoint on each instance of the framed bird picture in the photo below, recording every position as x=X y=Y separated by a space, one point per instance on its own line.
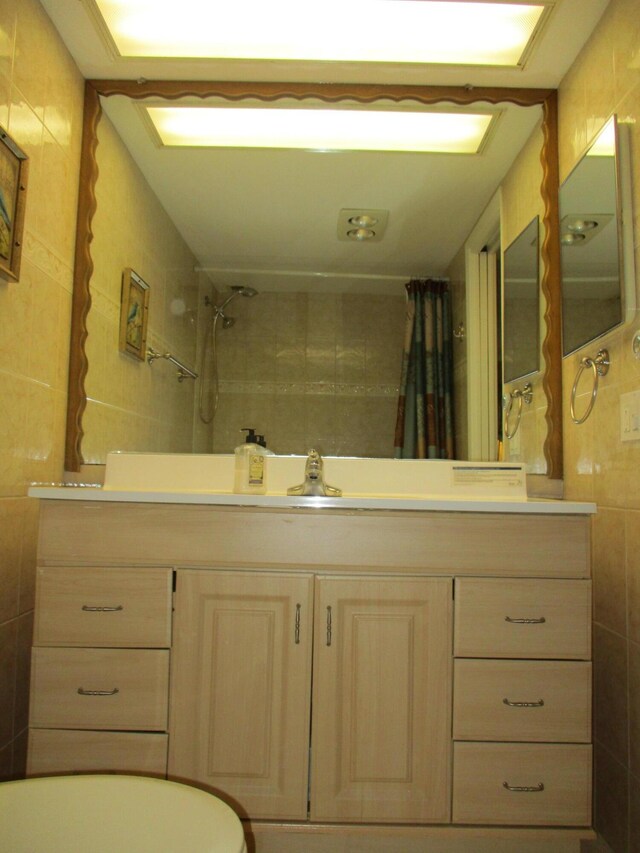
x=134 y=312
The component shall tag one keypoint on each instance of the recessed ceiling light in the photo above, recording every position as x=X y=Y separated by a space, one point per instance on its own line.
x=361 y=234
x=576 y=229
x=362 y=225
x=469 y=33
x=321 y=129
x=578 y=226
x=364 y=220
x=571 y=239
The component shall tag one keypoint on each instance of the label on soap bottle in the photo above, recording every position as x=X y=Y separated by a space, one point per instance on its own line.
x=256 y=469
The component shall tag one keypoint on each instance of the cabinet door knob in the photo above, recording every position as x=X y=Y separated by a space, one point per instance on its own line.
x=539 y=621
x=297 y=624
x=524 y=789
x=84 y=692
x=538 y=704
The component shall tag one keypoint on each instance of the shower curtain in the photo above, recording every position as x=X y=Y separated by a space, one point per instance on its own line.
x=424 y=425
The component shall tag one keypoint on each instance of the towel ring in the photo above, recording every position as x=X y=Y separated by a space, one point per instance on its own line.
x=600 y=367
x=518 y=394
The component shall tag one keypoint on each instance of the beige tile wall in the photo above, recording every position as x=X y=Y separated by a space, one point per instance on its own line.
x=41 y=95
x=605 y=80
x=311 y=370
x=133 y=405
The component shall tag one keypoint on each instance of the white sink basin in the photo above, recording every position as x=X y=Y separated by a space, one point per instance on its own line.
x=376 y=478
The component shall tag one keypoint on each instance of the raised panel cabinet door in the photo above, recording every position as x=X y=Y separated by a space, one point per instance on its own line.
x=241 y=685
x=381 y=728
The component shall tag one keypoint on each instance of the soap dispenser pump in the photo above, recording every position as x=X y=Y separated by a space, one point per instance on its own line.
x=250 y=466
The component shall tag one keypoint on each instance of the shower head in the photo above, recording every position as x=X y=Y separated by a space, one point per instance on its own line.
x=236 y=290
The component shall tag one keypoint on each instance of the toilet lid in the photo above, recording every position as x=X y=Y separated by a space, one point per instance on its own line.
x=107 y=813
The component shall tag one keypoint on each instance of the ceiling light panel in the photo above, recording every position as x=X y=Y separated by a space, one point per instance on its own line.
x=320 y=129
x=406 y=31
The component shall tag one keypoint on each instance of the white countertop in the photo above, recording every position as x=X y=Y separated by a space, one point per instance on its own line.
x=432 y=503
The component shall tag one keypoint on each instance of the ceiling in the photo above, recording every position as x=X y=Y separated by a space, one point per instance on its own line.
x=268 y=218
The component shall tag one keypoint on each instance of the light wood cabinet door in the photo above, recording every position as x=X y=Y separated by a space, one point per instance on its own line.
x=241 y=676
x=382 y=696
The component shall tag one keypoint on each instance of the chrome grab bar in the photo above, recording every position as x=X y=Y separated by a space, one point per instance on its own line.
x=183 y=371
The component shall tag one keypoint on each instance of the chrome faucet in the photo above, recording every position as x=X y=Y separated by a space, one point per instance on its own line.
x=314 y=483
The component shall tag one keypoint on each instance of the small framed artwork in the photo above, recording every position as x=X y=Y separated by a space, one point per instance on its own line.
x=13 y=196
x=134 y=311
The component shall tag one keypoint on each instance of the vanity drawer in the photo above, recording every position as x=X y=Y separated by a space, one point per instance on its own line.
x=121 y=689
x=525 y=618
x=63 y=751
x=103 y=607
x=522 y=700
x=558 y=774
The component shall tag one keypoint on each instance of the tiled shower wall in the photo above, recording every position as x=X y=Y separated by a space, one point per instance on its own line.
x=41 y=94
x=311 y=370
x=605 y=79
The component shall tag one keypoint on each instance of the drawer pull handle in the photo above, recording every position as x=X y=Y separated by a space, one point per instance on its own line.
x=539 y=621
x=524 y=789
x=84 y=692
x=297 y=625
x=512 y=704
x=88 y=609
x=329 y=626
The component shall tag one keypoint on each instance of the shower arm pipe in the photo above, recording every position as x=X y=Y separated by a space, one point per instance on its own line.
x=183 y=371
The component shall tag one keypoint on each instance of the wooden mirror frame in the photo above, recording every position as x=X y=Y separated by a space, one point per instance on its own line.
x=330 y=93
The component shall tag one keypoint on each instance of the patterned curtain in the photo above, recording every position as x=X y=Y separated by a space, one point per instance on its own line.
x=424 y=426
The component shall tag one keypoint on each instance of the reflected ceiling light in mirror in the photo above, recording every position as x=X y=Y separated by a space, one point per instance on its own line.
x=605 y=144
x=467 y=33
x=579 y=228
x=321 y=129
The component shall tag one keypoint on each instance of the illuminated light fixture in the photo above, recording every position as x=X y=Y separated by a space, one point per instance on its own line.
x=320 y=129
x=406 y=31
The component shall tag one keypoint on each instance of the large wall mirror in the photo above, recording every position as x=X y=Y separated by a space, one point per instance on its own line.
x=597 y=278
x=521 y=305
x=184 y=292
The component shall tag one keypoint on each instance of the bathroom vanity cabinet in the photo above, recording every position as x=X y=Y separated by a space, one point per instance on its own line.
x=335 y=673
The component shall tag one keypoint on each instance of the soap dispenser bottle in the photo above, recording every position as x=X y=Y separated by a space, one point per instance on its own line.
x=250 y=466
